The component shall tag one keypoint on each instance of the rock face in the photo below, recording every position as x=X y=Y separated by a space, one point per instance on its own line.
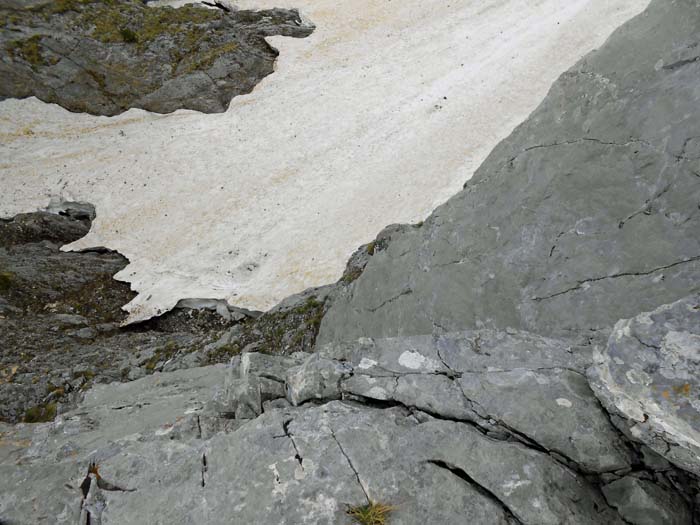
x=106 y=57
x=60 y=315
x=586 y=214
x=650 y=376
x=491 y=424
x=394 y=421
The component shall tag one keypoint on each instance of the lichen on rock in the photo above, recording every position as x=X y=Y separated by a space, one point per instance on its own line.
x=106 y=57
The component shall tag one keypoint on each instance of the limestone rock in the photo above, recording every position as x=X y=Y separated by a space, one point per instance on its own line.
x=104 y=58
x=291 y=465
x=643 y=503
x=650 y=375
x=317 y=378
x=585 y=214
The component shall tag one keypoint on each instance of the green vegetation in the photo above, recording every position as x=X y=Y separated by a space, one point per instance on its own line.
x=371 y=514
x=206 y=59
x=29 y=49
x=133 y=23
x=162 y=354
x=40 y=413
x=6 y=280
x=128 y=35
x=224 y=353
x=277 y=332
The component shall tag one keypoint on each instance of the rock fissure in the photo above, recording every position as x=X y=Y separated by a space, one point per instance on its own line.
x=297 y=454
x=484 y=491
x=579 y=141
x=390 y=300
x=352 y=467
x=583 y=282
x=681 y=63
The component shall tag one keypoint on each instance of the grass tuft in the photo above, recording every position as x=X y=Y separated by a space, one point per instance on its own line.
x=371 y=514
x=6 y=280
x=40 y=413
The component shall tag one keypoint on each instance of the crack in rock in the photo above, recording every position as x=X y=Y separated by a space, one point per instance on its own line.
x=578 y=141
x=580 y=284
x=297 y=454
x=352 y=467
x=481 y=489
x=390 y=300
x=681 y=63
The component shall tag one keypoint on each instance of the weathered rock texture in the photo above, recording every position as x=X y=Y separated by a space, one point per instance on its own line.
x=586 y=214
x=650 y=376
x=106 y=57
x=301 y=439
x=490 y=424
x=60 y=315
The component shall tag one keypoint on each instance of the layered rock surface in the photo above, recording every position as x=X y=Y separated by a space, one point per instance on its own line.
x=300 y=439
x=555 y=424
x=586 y=214
x=650 y=376
x=106 y=57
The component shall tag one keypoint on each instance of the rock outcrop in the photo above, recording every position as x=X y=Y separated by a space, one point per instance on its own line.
x=467 y=368
x=60 y=315
x=650 y=376
x=586 y=214
x=304 y=438
x=106 y=57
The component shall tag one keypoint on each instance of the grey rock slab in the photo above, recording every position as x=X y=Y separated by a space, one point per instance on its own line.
x=586 y=214
x=649 y=374
x=554 y=408
x=269 y=366
x=316 y=378
x=512 y=382
x=641 y=502
x=42 y=465
x=289 y=466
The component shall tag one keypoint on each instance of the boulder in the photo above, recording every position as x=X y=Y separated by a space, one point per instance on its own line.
x=641 y=502
x=649 y=374
x=317 y=378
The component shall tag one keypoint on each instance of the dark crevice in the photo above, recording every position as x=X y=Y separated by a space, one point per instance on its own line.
x=577 y=141
x=481 y=489
x=297 y=454
x=681 y=63
x=390 y=300
x=352 y=467
x=205 y=468
x=647 y=208
x=580 y=284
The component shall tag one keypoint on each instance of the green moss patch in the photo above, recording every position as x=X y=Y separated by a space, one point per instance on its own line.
x=40 y=413
x=29 y=49
x=6 y=281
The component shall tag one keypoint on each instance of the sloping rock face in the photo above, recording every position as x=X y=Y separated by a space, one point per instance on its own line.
x=650 y=376
x=586 y=214
x=106 y=57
